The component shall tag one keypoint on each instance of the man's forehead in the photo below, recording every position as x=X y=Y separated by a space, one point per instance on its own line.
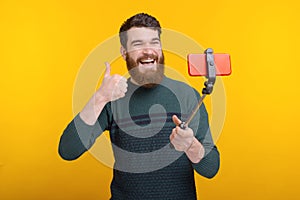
x=141 y=33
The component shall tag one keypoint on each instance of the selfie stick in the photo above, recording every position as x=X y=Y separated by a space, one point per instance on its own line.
x=209 y=84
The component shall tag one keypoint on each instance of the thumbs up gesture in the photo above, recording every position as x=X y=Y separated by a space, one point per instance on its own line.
x=113 y=87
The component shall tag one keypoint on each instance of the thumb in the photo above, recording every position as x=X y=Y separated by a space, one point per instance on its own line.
x=107 y=70
x=176 y=120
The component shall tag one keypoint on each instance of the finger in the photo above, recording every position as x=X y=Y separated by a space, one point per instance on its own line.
x=123 y=82
x=117 y=95
x=122 y=85
x=172 y=136
x=107 y=70
x=176 y=120
x=180 y=132
x=123 y=89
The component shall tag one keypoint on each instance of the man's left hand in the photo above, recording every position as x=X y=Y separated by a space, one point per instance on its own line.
x=184 y=140
x=181 y=139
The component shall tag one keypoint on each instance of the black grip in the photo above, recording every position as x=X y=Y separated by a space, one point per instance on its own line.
x=182 y=125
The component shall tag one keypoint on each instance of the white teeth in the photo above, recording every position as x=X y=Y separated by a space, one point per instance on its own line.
x=147 y=60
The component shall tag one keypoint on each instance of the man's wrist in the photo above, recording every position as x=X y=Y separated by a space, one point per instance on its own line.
x=193 y=143
x=196 y=151
x=92 y=109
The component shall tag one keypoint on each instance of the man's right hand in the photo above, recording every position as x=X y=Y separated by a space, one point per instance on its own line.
x=113 y=87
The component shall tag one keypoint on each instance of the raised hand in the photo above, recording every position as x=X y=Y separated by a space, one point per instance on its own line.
x=113 y=87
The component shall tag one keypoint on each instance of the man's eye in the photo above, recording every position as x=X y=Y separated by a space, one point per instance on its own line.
x=155 y=42
x=137 y=44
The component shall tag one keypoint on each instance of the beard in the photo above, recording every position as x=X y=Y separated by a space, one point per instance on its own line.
x=149 y=78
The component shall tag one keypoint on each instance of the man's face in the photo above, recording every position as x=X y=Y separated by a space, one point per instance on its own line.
x=144 y=56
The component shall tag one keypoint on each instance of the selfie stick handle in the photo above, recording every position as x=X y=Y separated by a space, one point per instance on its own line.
x=209 y=84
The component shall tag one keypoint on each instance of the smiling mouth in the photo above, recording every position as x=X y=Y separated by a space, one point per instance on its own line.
x=147 y=61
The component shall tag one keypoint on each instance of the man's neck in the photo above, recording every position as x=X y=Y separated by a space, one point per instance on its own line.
x=149 y=85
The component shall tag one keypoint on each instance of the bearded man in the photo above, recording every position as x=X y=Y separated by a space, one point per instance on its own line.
x=143 y=116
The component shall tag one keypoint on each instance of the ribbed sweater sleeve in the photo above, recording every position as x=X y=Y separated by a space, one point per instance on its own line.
x=78 y=136
x=210 y=163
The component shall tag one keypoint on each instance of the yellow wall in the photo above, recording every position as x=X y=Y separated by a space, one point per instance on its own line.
x=43 y=45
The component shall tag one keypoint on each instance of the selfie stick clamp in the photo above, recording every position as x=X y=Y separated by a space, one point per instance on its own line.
x=209 y=84
x=211 y=72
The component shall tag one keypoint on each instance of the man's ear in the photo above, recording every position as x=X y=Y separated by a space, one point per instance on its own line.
x=123 y=52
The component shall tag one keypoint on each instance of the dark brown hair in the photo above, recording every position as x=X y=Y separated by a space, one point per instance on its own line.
x=138 y=20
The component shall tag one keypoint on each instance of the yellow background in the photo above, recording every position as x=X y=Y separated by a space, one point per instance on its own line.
x=44 y=43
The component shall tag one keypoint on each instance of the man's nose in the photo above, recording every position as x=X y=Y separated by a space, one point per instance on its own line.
x=147 y=50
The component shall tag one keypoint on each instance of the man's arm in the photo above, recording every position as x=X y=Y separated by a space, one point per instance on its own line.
x=83 y=130
x=184 y=140
x=210 y=163
x=199 y=147
x=78 y=136
x=112 y=88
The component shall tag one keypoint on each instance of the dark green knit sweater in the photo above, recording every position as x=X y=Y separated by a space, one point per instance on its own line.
x=146 y=167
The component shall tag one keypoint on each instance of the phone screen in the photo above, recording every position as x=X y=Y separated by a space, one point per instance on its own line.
x=197 y=64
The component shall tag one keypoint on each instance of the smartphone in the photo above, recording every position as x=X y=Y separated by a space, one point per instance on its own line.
x=197 y=64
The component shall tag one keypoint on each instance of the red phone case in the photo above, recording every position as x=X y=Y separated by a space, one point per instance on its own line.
x=197 y=64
